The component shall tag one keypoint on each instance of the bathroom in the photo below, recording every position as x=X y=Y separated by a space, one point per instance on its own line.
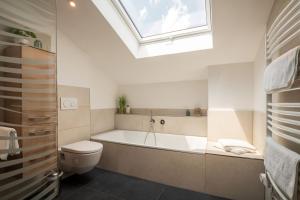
x=149 y=99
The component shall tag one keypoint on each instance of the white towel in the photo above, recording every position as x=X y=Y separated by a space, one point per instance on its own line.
x=11 y=146
x=235 y=146
x=282 y=165
x=281 y=73
x=264 y=180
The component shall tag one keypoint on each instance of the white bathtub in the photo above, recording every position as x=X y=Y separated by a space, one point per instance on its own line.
x=182 y=143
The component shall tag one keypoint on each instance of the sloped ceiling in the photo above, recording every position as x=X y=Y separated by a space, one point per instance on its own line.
x=238 y=29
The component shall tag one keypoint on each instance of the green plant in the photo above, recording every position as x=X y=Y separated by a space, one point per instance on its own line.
x=122 y=104
x=22 y=32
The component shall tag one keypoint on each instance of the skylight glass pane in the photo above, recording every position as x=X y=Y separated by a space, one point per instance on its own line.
x=155 y=17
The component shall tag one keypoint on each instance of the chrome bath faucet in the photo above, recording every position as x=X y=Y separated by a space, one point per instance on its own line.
x=151 y=128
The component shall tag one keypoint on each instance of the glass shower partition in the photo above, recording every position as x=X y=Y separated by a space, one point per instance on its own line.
x=28 y=100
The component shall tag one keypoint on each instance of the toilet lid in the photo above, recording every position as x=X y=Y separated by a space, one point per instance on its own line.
x=83 y=147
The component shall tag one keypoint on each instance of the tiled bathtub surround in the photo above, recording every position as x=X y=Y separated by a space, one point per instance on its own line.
x=156 y=165
x=259 y=130
x=209 y=173
x=230 y=124
x=74 y=125
x=102 y=120
x=234 y=178
x=196 y=126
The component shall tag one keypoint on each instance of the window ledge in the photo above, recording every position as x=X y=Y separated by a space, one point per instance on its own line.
x=197 y=42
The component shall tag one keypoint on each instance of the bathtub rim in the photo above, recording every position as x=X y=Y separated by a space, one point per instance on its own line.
x=209 y=147
x=199 y=152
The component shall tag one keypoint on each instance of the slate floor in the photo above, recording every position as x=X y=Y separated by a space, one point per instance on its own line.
x=104 y=185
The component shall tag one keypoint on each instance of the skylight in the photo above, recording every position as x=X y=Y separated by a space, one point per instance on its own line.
x=159 y=27
x=152 y=20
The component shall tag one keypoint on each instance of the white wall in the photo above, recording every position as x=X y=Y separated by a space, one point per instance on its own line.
x=230 y=106
x=172 y=95
x=259 y=98
x=75 y=68
x=259 y=68
x=230 y=86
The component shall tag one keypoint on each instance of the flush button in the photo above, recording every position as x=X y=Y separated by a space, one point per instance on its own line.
x=68 y=103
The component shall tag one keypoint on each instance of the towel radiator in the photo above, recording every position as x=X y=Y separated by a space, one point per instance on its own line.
x=283 y=108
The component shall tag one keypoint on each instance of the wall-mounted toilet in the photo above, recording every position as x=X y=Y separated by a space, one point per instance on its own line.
x=80 y=157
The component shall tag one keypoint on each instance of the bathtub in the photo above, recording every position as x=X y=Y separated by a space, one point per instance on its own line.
x=172 y=142
x=187 y=162
x=176 y=160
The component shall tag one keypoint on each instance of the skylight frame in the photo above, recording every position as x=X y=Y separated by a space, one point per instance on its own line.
x=165 y=36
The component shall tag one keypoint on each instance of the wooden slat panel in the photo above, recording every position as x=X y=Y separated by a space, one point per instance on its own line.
x=32 y=118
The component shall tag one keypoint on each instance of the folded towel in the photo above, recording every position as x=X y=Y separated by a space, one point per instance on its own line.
x=235 y=146
x=281 y=73
x=282 y=165
x=11 y=146
x=264 y=180
x=238 y=150
x=235 y=143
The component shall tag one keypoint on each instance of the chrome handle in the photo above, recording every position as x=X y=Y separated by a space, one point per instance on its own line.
x=33 y=133
x=55 y=176
x=39 y=118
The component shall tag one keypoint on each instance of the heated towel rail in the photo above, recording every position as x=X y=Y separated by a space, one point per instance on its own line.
x=283 y=108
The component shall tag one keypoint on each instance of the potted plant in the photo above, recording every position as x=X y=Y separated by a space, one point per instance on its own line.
x=37 y=43
x=122 y=104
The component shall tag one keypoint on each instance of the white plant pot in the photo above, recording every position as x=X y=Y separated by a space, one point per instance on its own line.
x=127 y=110
x=22 y=41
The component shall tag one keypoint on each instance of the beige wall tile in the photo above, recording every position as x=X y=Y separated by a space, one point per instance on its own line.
x=234 y=178
x=131 y=122
x=196 y=126
x=178 y=169
x=102 y=120
x=68 y=119
x=74 y=125
x=73 y=135
x=82 y=94
x=259 y=130
x=230 y=124
x=175 y=125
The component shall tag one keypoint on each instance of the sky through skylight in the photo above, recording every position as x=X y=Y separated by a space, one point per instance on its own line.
x=155 y=17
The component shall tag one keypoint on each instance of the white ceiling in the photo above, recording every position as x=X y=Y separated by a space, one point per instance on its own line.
x=238 y=29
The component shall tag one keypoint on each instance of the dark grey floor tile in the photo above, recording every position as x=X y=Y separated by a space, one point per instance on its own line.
x=73 y=183
x=126 y=187
x=172 y=193
x=142 y=190
x=85 y=193
x=104 y=185
x=110 y=183
x=77 y=180
x=70 y=185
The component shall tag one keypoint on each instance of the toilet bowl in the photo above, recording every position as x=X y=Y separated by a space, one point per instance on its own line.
x=80 y=157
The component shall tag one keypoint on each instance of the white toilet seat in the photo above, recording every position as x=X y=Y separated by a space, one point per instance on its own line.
x=82 y=147
x=80 y=157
